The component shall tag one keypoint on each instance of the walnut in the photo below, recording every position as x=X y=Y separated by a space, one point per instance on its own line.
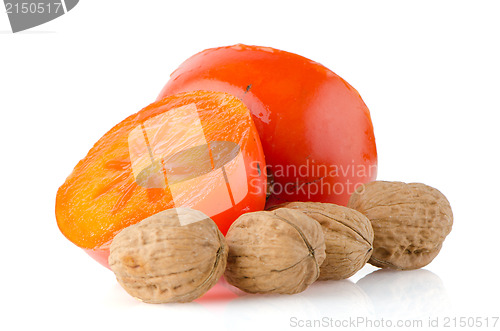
x=173 y=256
x=276 y=251
x=348 y=237
x=410 y=222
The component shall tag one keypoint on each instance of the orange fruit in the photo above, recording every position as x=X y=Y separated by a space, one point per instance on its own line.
x=198 y=150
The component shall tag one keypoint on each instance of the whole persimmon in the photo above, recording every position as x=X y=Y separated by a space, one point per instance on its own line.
x=315 y=129
x=198 y=149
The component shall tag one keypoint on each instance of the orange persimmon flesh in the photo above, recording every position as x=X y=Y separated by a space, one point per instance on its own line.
x=122 y=181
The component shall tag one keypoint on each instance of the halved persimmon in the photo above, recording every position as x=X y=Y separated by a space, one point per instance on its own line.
x=197 y=149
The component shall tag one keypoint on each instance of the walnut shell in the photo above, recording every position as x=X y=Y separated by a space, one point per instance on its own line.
x=174 y=256
x=348 y=237
x=410 y=222
x=276 y=251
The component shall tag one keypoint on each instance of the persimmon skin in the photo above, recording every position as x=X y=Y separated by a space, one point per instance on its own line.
x=102 y=195
x=307 y=117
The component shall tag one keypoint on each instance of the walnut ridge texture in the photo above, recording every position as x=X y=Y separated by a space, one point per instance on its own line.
x=410 y=222
x=174 y=256
x=348 y=237
x=276 y=251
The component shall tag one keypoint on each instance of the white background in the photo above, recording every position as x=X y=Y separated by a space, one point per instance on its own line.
x=429 y=71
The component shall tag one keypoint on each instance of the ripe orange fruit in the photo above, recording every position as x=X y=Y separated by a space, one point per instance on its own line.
x=315 y=129
x=198 y=149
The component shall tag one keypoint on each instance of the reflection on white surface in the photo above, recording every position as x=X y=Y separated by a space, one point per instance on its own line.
x=395 y=295
x=341 y=298
x=324 y=299
x=381 y=294
x=412 y=293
